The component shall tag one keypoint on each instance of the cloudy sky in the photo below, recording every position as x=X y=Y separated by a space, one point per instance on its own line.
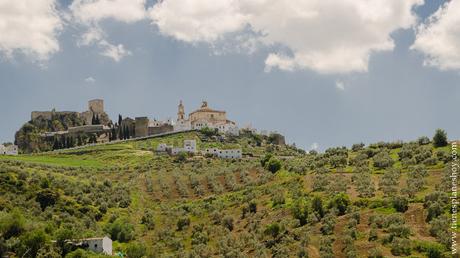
x=322 y=72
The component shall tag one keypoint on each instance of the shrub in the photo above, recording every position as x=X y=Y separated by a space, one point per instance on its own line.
x=182 y=223
x=278 y=198
x=317 y=206
x=12 y=224
x=440 y=138
x=382 y=160
x=423 y=140
x=300 y=210
x=120 y=230
x=148 y=219
x=340 y=202
x=357 y=146
x=400 y=203
x=227 y=222
x=375 y=253
x=46 y=197
x=401 y=246
x=136 y=250
x=273 y=229
x=273 y=165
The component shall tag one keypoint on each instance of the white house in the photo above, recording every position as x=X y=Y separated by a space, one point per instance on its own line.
x=230 y=154
x=189 y=146
x=9 y=150
x=224 y=154
x=99 y=244
x=162 y=147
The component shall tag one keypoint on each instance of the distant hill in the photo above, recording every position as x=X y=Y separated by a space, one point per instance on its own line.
x=381 y=200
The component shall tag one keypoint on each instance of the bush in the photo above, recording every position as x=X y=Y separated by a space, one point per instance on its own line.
x=382 y=160
x=12 y=224
x=148 y=219
x=182 y=223
x=401 y=203
x=317 y=206
x=300 y=210
x=423 y=140
x=136 y=250
x=273 y=165
x=278 y=198
x=120 y=230
x=273 y=229
x=440 y=138
x=400 y=246
x=340 y=202
x=227 y=222
x=375 y=253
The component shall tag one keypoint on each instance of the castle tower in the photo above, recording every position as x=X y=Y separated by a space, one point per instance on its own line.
x=96 y=106
x=181 y=112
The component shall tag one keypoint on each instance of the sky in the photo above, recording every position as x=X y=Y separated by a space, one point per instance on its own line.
x=323 y=73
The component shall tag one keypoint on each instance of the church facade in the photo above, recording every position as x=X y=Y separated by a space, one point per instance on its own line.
x=204 y=117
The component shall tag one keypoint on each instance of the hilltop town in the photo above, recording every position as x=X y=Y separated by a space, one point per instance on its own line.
x=53 y=130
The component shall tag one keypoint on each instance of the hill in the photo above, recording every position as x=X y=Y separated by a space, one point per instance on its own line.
x=385 y=199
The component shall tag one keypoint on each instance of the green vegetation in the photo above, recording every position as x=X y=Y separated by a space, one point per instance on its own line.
x=378 y=200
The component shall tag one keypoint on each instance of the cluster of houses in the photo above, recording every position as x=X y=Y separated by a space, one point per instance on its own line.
x=8 y=149
x=190 y=147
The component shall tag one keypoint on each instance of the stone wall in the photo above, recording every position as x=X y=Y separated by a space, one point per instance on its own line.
x=96 y=105
x=142 y=127
x=160 y=129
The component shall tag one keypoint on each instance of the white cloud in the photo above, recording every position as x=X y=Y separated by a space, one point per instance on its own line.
x=91 y=12
x=90 y=80
x=340 y=85
x=116 y=52
x=327 y=36
x=29 y=26
x=314 y=146
x=439 y=38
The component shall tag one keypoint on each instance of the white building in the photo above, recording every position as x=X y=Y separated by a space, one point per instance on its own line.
x=189 y=147
x=224 y=154
x=99 y=244
x=9 y=150
x=162 y=147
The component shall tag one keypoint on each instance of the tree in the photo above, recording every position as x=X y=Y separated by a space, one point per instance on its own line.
x=273 y=165
x=383 y=160
x=300 y=210
x=440 y=138
x=317 y=206
x=400 y=203
x=31 y=242
x=12 y=224
x=389 y=182
x=136 y=250
x=340 y=202
x=46 y=197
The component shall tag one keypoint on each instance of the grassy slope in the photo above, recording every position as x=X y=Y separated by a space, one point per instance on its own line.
x=154 y=182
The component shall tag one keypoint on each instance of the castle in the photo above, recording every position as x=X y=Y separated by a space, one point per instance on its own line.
x=140 y=126
x=95 y=108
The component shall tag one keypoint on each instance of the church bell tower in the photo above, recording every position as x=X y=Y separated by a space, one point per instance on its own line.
x=180 y=112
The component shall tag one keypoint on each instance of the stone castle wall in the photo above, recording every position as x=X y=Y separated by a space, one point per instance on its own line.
x=96 y=105
x=141 y=127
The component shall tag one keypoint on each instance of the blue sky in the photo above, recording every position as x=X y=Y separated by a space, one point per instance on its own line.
x=400 y=92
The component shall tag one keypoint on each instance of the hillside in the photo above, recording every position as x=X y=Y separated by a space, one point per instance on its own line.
x=381 y=200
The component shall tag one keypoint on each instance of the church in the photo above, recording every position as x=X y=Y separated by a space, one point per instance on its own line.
x=204 y=117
